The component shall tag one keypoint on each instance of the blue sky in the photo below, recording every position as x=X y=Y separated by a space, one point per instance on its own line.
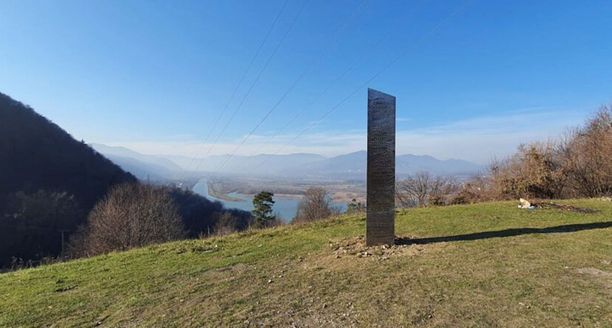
x=473 y=79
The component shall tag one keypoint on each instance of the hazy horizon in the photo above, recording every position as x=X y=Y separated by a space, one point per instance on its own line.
x=473 y=79
x=478 y=140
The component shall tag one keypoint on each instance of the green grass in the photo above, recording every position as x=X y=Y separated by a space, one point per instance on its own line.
x=525 y=279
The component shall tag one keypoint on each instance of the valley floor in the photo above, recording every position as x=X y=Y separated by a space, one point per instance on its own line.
x=485 y=265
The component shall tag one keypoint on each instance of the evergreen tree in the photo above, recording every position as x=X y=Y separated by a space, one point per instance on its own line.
x=262 y=212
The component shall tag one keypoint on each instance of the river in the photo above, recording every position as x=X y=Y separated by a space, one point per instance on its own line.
x=286 y=207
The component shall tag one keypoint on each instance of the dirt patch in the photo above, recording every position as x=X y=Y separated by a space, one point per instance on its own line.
x=236 y=268
x=604 y=276
x=564 y=207
x=356 y=247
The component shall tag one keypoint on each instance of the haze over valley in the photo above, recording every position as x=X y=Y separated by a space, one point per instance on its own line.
x=292 y=166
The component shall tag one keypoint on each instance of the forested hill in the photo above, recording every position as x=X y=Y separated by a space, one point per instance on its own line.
x=37 y=156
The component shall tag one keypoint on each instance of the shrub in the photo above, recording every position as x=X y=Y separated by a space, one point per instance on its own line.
x=580 y=165
x=587 y=156
x=132 y=215
x=423 y=189
x=315 y=205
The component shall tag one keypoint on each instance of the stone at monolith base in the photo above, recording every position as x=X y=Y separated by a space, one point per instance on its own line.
x=380 y=222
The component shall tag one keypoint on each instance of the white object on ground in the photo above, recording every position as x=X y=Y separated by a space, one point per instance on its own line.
x=525 y=204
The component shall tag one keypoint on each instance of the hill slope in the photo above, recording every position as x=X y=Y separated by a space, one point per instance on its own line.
x=45 y=173
x=37 y=154
x=553 y=271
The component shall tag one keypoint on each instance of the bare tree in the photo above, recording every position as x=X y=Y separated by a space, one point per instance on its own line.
x=414 y=190
x=578 y=165
x=423 y=189
x=132 y=215
x=587 y=156
x=226 y=223
x=443 y=190
x=534 y=171
x=315 y=205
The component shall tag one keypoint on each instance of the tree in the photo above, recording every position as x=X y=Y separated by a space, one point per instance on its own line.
x=578 y=165
x=262 y=212
x=132 y=215
x=35 y=155
x=355 y=207
x=35 y=226
x=226 y=223
x=534 y=171
x=315 y=205
x=423 y=189
x=587 y=156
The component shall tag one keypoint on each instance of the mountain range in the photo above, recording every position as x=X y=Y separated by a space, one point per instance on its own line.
x=351 y=166
x=142 y=166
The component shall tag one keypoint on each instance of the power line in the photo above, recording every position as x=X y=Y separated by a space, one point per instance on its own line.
x=313 y=63
x=391 y=63
x=244 y=75
x=379 y=72
x=315 y=99
x=295 y=19
x=361 y=86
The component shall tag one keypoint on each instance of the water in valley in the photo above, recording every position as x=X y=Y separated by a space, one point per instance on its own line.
x=286 y=207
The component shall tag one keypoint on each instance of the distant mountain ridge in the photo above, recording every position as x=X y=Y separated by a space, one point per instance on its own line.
x=297 y=166
x=353 y=166
x=144 y=167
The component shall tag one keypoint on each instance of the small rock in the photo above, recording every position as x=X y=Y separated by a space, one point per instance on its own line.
x=269 y=281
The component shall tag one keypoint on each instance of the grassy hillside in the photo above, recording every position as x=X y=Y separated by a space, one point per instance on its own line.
x=503 y=267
